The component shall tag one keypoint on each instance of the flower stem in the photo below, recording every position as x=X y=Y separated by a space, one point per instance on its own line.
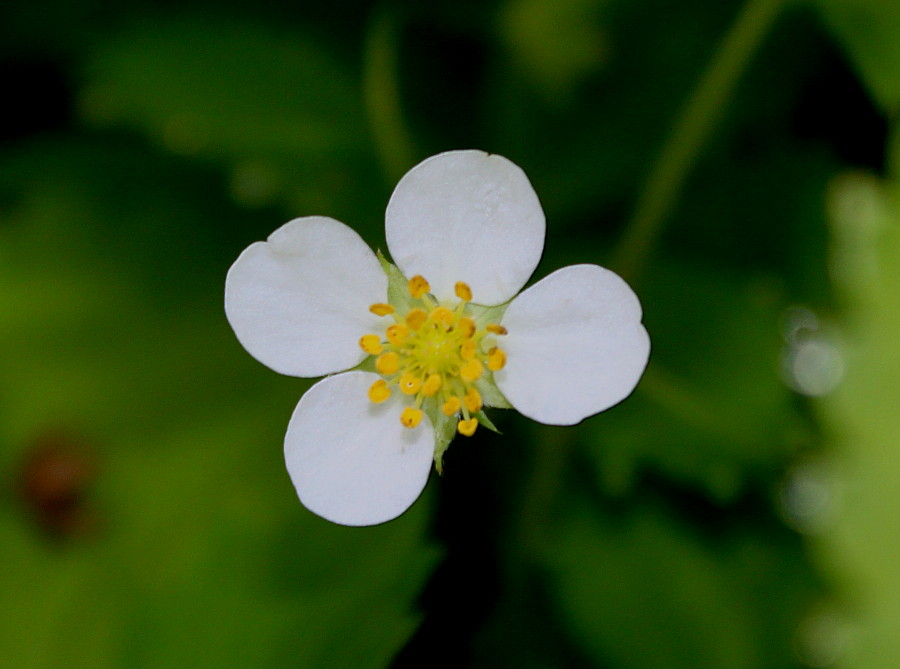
x=696 y=121
x=550 y=457
x=382 y=96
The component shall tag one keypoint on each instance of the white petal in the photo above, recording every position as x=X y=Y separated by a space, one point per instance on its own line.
x=466 y=216
x=351 y=461
x=575 y=346
x=299 y=302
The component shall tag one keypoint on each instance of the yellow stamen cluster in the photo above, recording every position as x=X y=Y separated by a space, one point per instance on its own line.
x=434 y=353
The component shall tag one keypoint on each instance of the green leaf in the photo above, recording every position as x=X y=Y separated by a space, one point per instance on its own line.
x=711 y=407
x=230 y=88
x=642 y=589
x=201 y=554
x=275 y=107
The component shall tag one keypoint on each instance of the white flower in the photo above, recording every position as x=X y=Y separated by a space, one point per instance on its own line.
x=427 y=355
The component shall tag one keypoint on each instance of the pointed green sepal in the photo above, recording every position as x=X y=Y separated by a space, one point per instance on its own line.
x=484 y=316
x=398 y=286
x=490 y=393
x=486 y=422
x=444 y=431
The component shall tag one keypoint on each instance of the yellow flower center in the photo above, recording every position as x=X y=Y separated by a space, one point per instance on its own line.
x=435 y=354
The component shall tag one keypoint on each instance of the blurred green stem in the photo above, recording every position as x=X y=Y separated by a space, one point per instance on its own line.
x=382 y=96
x=696 y=121
x=551 y=453
x=547 y=468
x=658 y=197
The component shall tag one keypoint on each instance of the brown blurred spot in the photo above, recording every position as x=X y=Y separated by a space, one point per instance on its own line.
x=57 y=471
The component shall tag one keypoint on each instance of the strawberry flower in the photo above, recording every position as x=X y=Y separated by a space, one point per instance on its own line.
x=431 y=340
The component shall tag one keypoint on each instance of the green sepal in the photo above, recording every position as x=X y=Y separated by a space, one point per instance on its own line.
x=486 y=422
x=444 y=431
x=490 y=393
x=484 y=316
x=398 y=286
x=367 y=365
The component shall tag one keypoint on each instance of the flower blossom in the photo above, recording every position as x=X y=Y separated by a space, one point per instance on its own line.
x=430 y=340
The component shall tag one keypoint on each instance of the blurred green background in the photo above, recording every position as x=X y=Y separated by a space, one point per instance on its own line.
x=737 y=162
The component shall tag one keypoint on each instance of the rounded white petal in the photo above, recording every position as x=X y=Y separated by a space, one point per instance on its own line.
x=575 y=346
x=299 y=302
x=351 y=461
x=466 y=216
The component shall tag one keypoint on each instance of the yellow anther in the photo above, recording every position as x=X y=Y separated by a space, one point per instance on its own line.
x=463 y=291
x=467 y=349
x=451 y=406
x=434 y=354
x=496 y=359
x=471 y=371
x=443 y=316
x=381 y=309
x=473 y=400
x=466 y=327
x=411 y=417
x=371 y=344
x=397 y=334
x=467 y=427
x=379 y=391
x=418 y=286
x=415 y=318
x=432 y=385
x=387 y=363
x=410 y=384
